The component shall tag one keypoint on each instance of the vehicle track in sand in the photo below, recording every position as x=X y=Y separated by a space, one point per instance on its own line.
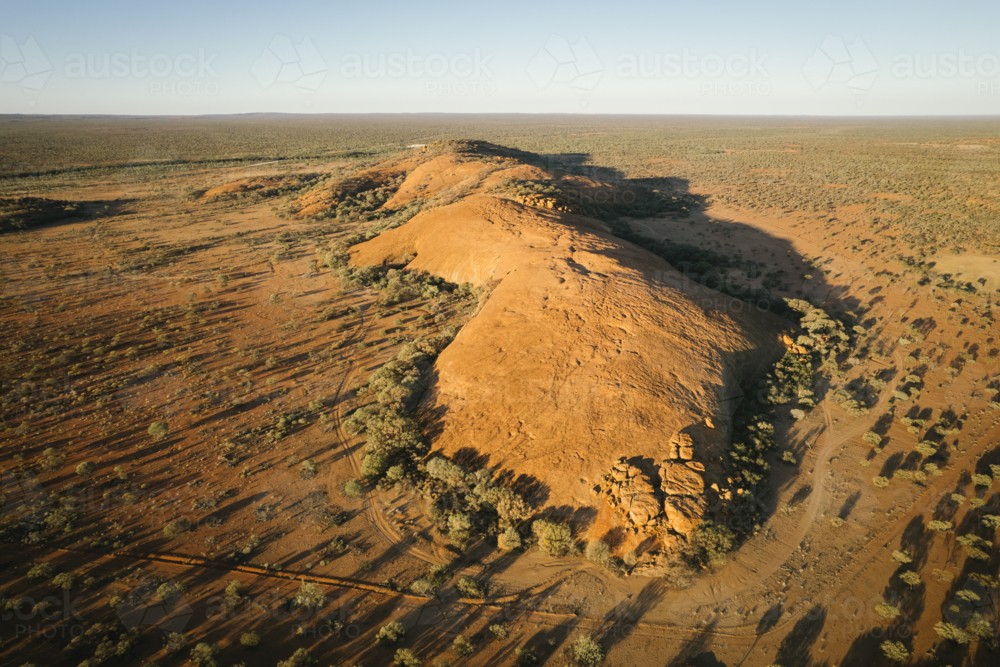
x=370 y=501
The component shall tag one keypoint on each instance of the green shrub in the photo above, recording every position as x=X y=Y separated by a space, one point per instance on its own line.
x=307 y=469
x=159 y=430
x=41 y=571
x=301 y=658
x=895 y=651
x=712 y=543
x=587 y=652
x=310 y=596
x=175 y=642
x=423 y=587
x=886 y=610
x=510 y=539
x=176 y=528
x=86 y=469
x=52 y=458
x=462 y=646
x=554 y=538
x=598 y=552
x=352 y=489
x=390 y=633
x=203 y=654
x=470 y=588
x=406 y=658
x=169 y=590
x=982 y=480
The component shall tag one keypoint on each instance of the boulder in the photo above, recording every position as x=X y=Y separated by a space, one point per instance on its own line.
x=680 y=480
x=640 y=499
x=682 y=447
x=684 y=513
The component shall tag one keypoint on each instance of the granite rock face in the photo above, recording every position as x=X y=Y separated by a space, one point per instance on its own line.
x=669 y=503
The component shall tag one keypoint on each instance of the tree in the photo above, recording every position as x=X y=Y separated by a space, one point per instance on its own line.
x=65 y=581
x=390 y=633
x=910 y=578
x=886 y=610
x=41 y=571
x=249 y=639
x=459 y=529
x=982 y=480
x=462 y=646
x=499 y=631
x=880 y=481
x=170 y=590
x=901 y=557
x=175 y=642
x=941 y=526
x=598 y=552
x=895 y=651
x=952 y=633
x=406 y=658
x=301 y=658
x=159 y=430
x=587 y=652
x=203 y=654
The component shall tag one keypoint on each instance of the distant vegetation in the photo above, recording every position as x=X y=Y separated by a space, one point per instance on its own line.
x=922 y=176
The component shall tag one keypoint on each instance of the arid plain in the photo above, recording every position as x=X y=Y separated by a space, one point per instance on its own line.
x=499 y=390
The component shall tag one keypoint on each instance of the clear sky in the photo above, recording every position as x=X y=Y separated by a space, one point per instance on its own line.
x=847 y=57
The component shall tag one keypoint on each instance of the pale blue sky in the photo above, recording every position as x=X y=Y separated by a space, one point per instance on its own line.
x=584 y=57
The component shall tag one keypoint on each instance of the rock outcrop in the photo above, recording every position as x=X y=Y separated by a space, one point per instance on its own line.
x=672 y=501
x=587 y=348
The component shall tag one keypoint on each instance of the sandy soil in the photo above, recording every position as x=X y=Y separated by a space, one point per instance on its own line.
x=802 y=591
